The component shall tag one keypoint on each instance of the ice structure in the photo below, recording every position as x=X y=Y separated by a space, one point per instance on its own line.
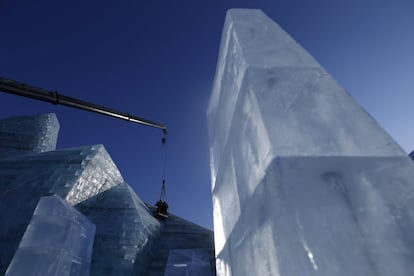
x=57 y=241
x=139 y=243
x=304 y=181
x=191 y=262
x=179 y=236
x=125 y=227
x=128 y=239
x=25 y=134
x=73 y=174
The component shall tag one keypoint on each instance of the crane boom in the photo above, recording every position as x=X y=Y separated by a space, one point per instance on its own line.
x=24 y=90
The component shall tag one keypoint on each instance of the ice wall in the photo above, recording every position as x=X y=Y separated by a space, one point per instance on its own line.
x=130 y=241
x=270 y=89
x=54 y=238
x=191 y=262
x=74 y=174
x=272 y=104
x=125 y=232
x=183 y=247
x=28 y=134
x=57 y=241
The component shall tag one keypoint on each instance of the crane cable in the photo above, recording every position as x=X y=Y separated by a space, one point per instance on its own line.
x=163 y=193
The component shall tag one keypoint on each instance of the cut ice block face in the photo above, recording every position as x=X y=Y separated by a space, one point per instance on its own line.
x=272 y=101
x=57 y=241
x=301 y=108
x=28 y=134
x=326 y=216
x=99 y=173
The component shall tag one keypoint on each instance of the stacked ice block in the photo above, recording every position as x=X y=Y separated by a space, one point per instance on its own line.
x=57 y=241
x=304 y=181
x=125 y=232
x=42 y=234
x=28 y=134
x=31 y=168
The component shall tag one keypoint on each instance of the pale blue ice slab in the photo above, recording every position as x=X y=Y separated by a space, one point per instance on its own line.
x=58 y=241
x=304 y=181
x=271 y=98
x=324 y=216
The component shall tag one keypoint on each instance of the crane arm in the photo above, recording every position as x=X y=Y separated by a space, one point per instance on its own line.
x=24 y=90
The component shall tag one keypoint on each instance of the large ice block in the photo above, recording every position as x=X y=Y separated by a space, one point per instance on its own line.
x=304 y=181
x=57 y=241
x=28 y=134
x=324 y=216
x=269 y=89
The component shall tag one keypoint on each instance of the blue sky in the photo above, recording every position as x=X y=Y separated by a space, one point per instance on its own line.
x=156 y=59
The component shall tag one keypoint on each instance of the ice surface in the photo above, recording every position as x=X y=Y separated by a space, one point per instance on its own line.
x=190 y=262
x=28 y=134
x=179 y=237
x=304 y=181
x=125 y=231
x=58 y=241
x=130 y=241
x=301 y=109
x=75 y=174
x=98 y=174
x=325 y=216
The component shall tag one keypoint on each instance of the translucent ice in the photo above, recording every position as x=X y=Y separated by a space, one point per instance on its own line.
x=128 y=239
x=57 y=241
x=304 y=181
x=191 y=262
x=325 y=216
x=74 y=174
x=268 y=88
x=183 y=247
x=125 y=231
x=28 y=134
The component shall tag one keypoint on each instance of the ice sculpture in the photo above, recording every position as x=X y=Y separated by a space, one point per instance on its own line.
x=28 y=134
x=304 y=181
x=128 y=239
x=75 y=174
x=57 y=241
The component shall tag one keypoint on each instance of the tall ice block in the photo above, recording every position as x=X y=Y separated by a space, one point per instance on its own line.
x=288 y=198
